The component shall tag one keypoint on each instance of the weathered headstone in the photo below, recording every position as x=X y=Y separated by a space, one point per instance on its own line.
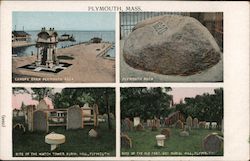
x=171 y=45
x=128 y=124
x=136 y=121
x=40 y=121
x=212 y=143
x=207 y=125
x=111 y=116
x=149 y=123
x=126 y=142
x=93 y=133
x=195 y=123
x=42 y=105
x=214 y=125
x=74 y=117
x=187 y=128
x=105 y=116
x=157 y=123
x=166 y=132
x=189 y=121
x=184 y=133
x=139 y=127
x=202 y=124
x=179 y=124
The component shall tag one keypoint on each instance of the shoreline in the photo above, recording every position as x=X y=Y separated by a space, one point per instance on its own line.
x=22 y=44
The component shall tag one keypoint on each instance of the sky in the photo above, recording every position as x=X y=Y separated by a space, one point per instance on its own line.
x=178 y=94
x=181 y=92
x=64 y=20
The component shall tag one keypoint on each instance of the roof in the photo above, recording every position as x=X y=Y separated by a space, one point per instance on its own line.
x=51 y=32
x=20 y=33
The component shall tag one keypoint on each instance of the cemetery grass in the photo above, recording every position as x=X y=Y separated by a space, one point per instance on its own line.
x=77 y=141
x=144 y=141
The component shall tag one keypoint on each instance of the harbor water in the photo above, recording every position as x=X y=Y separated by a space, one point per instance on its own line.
x=80 y=37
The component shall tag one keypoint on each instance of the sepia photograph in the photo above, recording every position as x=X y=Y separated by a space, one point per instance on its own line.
x=165 y=121
x=63 y=122
x=63 y=47
x=171 y=47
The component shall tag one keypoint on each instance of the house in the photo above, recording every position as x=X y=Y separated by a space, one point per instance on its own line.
x=20 y=36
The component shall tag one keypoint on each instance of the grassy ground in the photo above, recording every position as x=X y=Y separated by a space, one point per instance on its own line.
x=77 y=143
x=144 y=143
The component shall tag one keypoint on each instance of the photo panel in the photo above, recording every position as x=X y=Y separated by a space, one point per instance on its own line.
x=171 y=47
x=63 y=47
x=171 y=121
x=63 y=122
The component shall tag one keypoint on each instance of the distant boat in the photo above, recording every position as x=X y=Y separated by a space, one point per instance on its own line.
x=96 y=40
x=66 y=37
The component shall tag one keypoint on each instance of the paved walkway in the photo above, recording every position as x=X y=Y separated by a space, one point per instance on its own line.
x=86 y=66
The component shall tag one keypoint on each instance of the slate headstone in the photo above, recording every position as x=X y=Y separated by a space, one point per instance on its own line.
x=189 y=121
x=74 y=117
x=40 y=121
x=195 y=123
x=212 y=143
x=139 y=127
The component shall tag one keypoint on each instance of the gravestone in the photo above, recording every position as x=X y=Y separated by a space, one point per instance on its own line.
x=179 y=124
x=93 y=133
x=157 y=123
x=195 y=123
x=136 y=121
x=166 y=132
x=202 y=124
x=149 y=123
x=42 y=105
x=40 y=121
x=189 y=121
x=127 y=124
x=171 y=45
x=126 y=141
x=187 y=128
x=74 y=117
x=139 y=127
x=105 y=116
x=214 y=125
x=212 y=143
x=111 y=116
x=207 y=125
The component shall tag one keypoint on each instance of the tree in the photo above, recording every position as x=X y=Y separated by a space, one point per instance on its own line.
x=41 y=93
x=145 y=102
x=207 y=107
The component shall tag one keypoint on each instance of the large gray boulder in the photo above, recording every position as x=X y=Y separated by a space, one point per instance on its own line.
x=171 y=45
